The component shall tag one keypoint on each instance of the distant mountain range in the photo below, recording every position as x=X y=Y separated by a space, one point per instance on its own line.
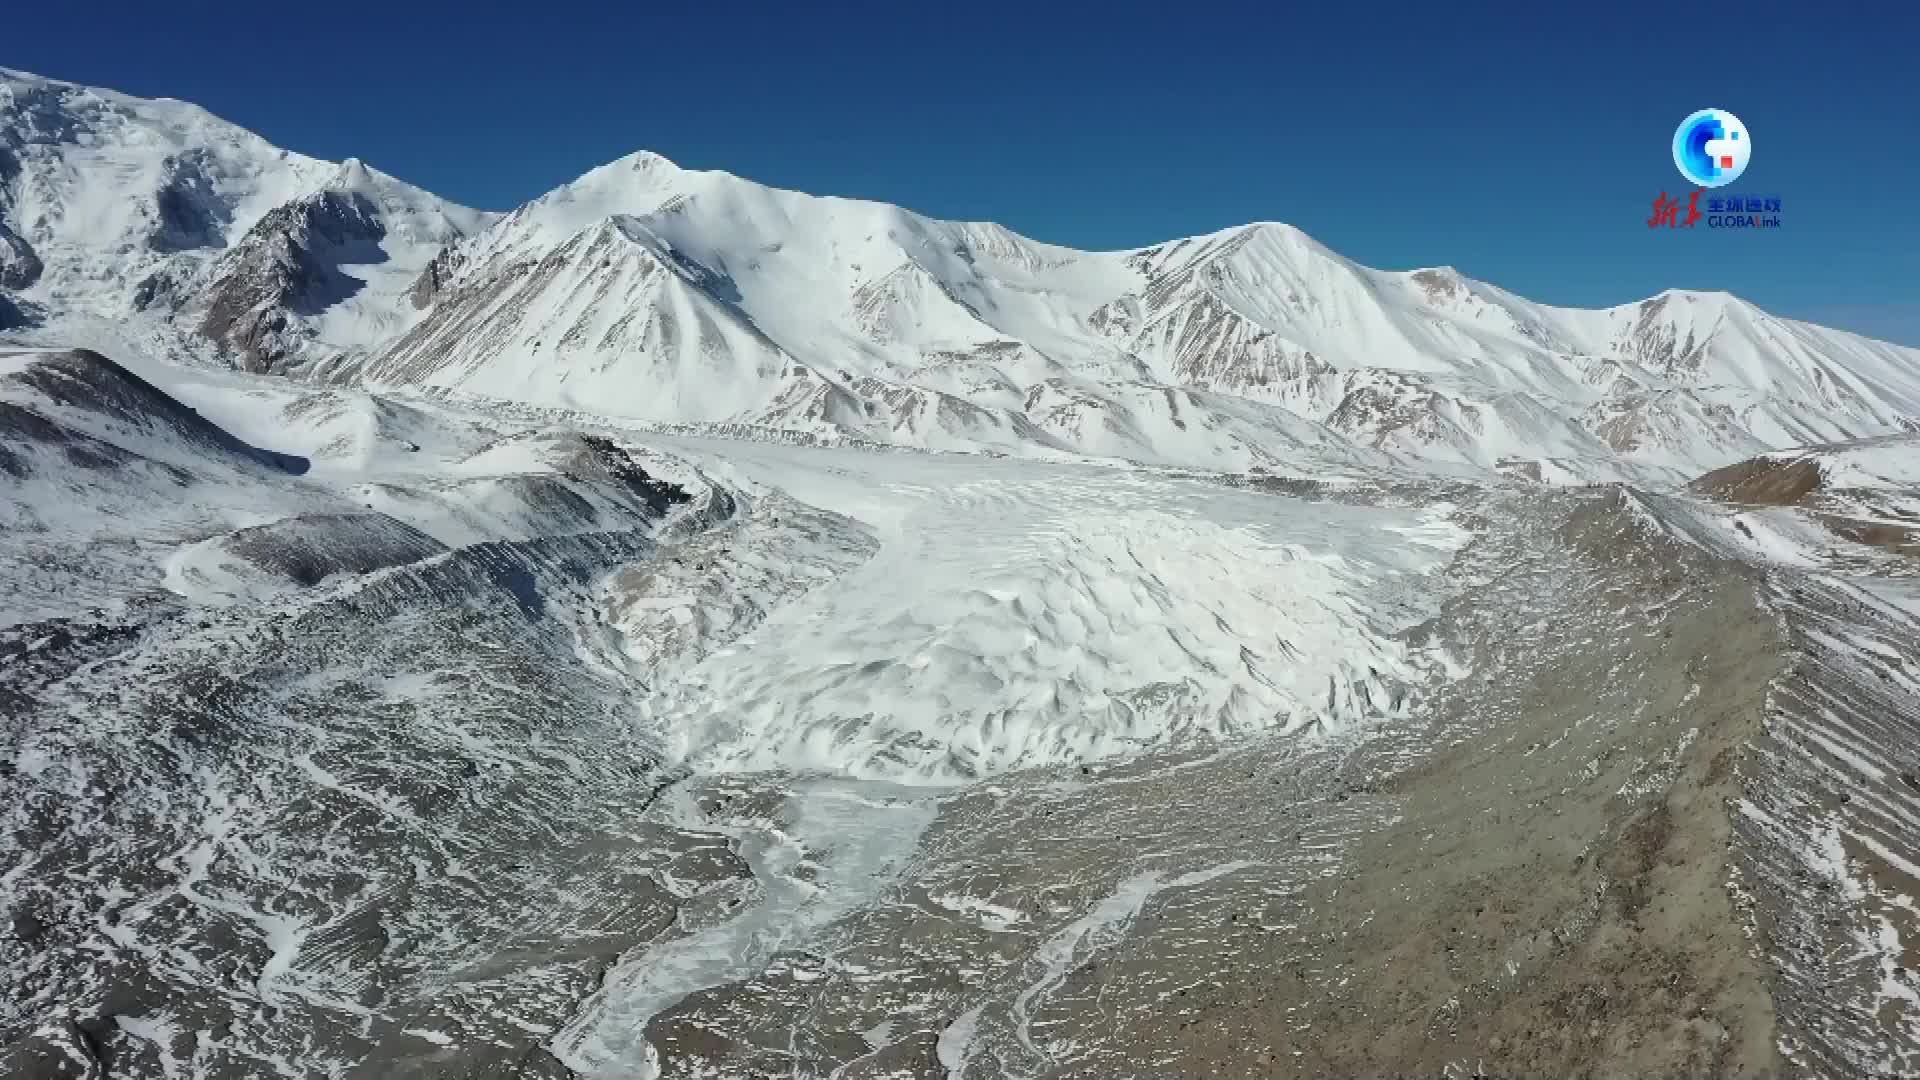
x=672 y=296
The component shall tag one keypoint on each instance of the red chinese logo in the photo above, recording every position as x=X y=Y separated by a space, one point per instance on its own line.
x=1667 y=212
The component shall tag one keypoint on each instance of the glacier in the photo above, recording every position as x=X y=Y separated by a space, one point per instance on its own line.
x=682 y=627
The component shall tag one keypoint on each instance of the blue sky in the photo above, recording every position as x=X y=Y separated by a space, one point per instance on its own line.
x=1522 y=143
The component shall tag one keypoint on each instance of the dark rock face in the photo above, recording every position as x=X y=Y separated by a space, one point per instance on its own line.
x=26 y=432
x=14 y=314
x=19 y=266
x=189 y=215
x=56 y=1051
x=313 y=547
x=434 y=279
x=606 y=459
x=289 y=264
x=38 y=115
x=87 y=382
x=161 y=289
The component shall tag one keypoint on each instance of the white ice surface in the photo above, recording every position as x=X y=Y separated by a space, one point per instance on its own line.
x=1020 y=614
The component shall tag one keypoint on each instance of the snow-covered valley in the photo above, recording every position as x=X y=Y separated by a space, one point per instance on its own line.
x=684 y=628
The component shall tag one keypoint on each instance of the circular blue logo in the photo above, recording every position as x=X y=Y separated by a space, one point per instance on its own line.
x=1712 y=148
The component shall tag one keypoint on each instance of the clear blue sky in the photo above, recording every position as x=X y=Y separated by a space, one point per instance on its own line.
x=1523 y=143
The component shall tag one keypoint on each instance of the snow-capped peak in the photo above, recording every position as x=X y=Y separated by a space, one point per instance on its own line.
x=419 y=215
x=646 y=161
x=108 y=187
x=649 y=289
x=353 y=175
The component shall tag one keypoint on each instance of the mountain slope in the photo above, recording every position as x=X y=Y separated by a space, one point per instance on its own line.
x=870 y=319
x=674 y=296
x=334 y=268
x=112 y=205
x=105 y=188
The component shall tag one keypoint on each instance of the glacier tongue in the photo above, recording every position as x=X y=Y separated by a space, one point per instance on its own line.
x=1019 y=615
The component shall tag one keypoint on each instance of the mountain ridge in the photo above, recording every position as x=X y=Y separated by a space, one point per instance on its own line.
x=670 y=295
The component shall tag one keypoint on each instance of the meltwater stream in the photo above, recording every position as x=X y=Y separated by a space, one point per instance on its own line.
x=859 y=834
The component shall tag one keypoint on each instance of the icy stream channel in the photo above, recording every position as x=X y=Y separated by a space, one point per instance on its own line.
x=857 y=835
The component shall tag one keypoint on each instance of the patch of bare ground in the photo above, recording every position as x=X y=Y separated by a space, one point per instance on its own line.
x=1888 y=536
x=1550 y=897
x=1763 y=481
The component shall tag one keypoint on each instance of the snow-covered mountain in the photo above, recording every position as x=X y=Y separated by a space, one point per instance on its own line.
x=677 y=295
x=244 y=253
x=667 y=295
